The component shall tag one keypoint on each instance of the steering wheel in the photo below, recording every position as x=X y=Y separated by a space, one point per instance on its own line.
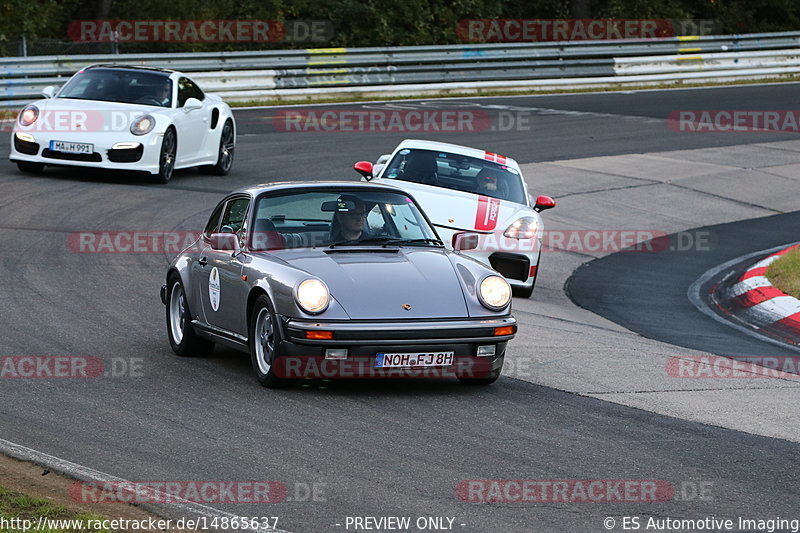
x=149 y=100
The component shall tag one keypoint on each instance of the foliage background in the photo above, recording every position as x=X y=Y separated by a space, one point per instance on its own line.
x=378 y=22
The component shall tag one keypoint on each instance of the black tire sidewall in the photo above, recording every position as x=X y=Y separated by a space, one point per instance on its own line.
x=269 y=379
x=218 y=169
x=161 y=177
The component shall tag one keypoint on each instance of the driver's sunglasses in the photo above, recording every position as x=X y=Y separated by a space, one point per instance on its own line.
x=356 y=214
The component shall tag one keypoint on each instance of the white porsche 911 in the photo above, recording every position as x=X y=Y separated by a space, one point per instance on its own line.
x=119 y=117
x=478 y=201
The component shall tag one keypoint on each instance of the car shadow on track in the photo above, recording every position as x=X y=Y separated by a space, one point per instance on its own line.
x=239 y=363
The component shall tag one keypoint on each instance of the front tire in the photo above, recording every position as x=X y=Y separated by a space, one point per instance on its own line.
x=166 y=161
x=226 y=150
x=182 y=337
x=525 y=292
x=27 y=167
x=265 y=339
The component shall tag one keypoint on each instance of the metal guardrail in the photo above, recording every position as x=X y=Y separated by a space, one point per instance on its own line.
x=259 y=74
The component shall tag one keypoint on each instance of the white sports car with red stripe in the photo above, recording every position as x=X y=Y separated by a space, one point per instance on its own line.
x=477 y=200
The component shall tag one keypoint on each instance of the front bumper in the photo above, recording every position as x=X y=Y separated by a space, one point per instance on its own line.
x=144 y=158
x=353 y=350
x=517 y=260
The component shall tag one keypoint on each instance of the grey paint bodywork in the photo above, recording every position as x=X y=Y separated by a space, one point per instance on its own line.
x=366 y=283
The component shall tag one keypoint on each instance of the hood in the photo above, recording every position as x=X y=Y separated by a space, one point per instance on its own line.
x=70 y=104
x=460 y=210
x=376 y=284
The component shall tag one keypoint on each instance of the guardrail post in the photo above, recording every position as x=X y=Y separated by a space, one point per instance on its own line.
x=23 y=46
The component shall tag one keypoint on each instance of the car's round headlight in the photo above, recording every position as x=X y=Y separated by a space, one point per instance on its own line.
x=143 y=125
x=312 y=296
x=494 y=292
x=28 y=115
x=522 y=228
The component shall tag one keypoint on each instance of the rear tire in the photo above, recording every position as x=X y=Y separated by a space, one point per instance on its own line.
x=182 y=337
x=265 y=340
x=226 y=150
x=166 y=161
x=27 y=167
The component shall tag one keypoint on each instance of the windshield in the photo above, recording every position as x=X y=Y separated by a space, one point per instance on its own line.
x=457 y=172
x=120 y=85
x=339 y=217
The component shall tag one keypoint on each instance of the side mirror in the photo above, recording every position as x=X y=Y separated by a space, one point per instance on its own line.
x=226 y=242
x=543 y=202
x=364 y=168
x=49 y=91
x=192 y=104
x=464 y=241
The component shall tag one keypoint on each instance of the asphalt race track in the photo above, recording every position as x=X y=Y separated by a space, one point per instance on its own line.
x=401 y=448
x=658 y=284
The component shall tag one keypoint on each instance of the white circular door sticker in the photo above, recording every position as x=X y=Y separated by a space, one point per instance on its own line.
x=213 y=288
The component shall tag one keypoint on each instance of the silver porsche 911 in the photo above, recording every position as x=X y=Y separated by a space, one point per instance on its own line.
x=332 y=280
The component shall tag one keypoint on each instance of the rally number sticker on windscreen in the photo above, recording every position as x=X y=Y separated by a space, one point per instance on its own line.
x=213 y=288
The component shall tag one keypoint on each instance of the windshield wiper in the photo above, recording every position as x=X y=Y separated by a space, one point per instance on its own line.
x=436 y=242
x=387 y=241
x=372 y=240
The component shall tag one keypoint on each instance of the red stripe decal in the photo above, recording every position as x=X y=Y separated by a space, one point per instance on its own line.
x=486 y=217
x=489 y=156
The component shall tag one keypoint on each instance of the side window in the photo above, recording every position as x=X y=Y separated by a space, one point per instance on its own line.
x=213 y=221
x=184 y=91
x=375 y=220
x=187 y=89
x=235 y=213
x=197 y=92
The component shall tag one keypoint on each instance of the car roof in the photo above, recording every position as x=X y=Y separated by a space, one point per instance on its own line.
x=255 y=190
x=166 y=72
x=452 y=148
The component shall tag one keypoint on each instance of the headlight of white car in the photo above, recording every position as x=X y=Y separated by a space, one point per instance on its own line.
x=522 y=228
x=28 y=115
x=312 y=296
x=143 y=125
x=494 y=292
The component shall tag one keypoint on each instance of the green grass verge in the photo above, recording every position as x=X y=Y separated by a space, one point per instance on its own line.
x=785 y=273
x=17 y=505
x=489 y=92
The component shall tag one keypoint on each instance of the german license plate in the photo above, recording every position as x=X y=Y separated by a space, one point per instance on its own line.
x=71 y=148
x=413 y=360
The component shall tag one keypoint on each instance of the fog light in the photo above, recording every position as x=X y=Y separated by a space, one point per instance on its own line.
x=336 y=353
x=126 y=146
x=27 y=137
x=486 y=351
